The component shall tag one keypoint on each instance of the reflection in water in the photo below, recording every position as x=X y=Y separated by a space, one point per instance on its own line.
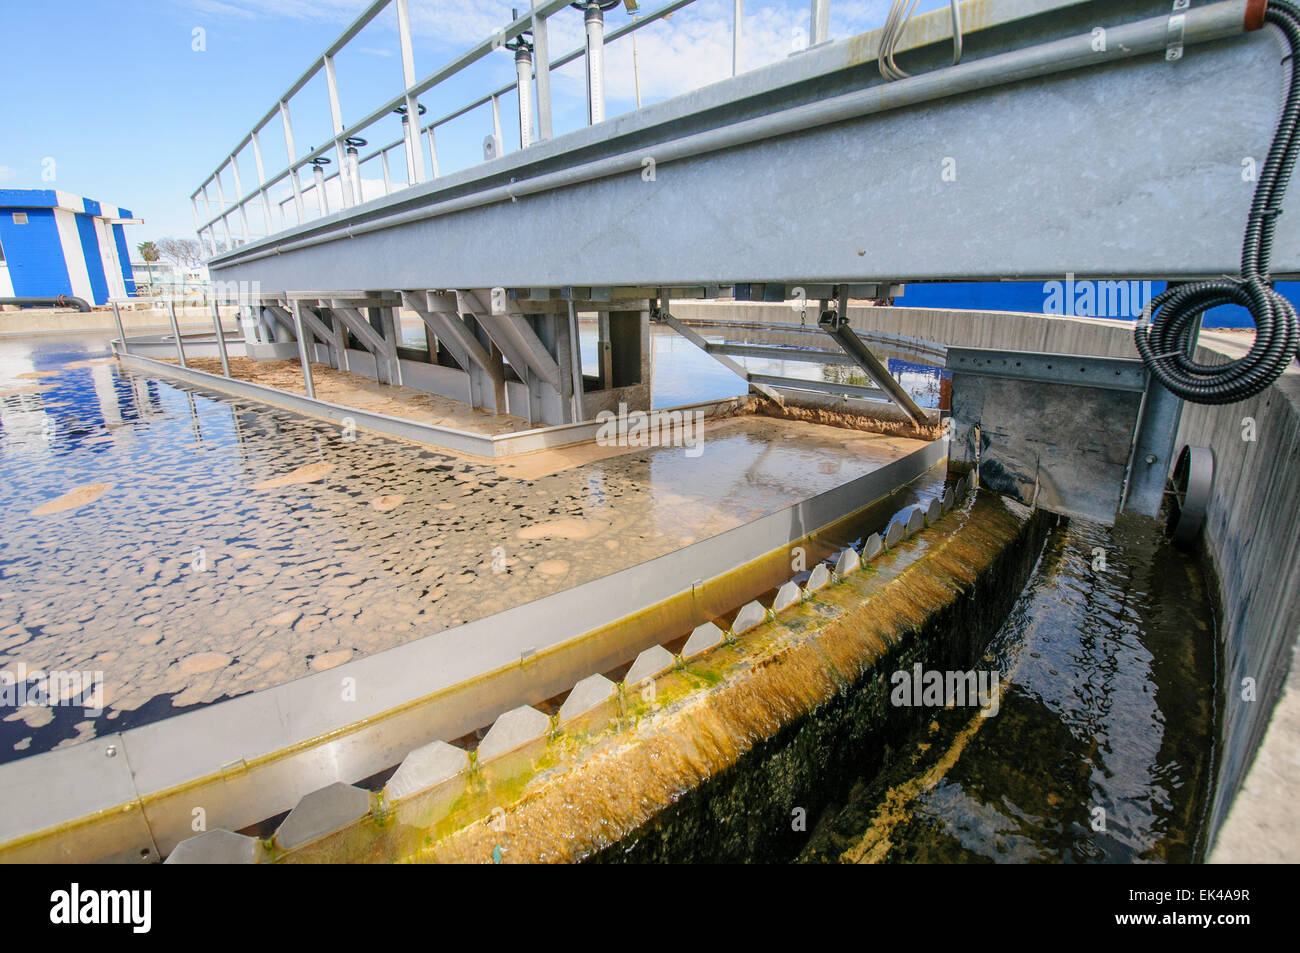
x=684 y=374
x=204 y=571
x=1107 y=703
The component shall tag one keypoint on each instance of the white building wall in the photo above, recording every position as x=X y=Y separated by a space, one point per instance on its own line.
x=109 y=256
x=70 y=239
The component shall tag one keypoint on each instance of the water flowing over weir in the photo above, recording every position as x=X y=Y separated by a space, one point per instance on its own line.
x=711 y=762
x=1108 y=702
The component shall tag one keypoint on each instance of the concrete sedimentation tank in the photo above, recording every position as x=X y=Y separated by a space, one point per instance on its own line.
x=448 y=578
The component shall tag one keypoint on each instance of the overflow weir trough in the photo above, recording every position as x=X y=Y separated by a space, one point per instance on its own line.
x=511 y=603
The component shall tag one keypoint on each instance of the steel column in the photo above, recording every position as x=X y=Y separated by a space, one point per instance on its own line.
x=336 y=118
x=304 y=356
x=819 y=22
x=412 y=129
x=575 y=363
x=293 y=158
x=737 y=34
x=542 y=53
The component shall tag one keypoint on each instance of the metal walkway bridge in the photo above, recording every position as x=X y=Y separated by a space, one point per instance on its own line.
x=1027 y=139
x=1101 y=139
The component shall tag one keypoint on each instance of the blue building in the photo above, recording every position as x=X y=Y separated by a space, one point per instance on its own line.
x=1121 y=300
x=53 y=243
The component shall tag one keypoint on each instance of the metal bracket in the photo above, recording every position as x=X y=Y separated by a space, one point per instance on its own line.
x=1177 y=31
x=1080 y=435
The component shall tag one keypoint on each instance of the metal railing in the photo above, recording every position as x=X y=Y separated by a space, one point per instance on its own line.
x=527 y=35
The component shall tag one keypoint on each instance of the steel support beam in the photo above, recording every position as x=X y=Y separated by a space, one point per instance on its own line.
x=515 y=336
x=725 y=361
x=440 y=314
x=374 y=342
x=575 y=364
x=776 y=352
x=304 y=357
x=836 y=324
x=823 y=387
x=283 y=319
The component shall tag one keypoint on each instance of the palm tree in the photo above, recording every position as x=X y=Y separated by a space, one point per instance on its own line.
x=149 y=252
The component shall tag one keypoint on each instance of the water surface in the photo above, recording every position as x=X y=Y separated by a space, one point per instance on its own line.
x=205 y=569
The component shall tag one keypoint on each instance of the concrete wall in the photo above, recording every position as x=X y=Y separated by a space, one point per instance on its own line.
x=1250 y=543
x=50 y=321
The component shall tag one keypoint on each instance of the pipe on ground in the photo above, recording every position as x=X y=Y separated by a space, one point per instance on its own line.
x=58 y=301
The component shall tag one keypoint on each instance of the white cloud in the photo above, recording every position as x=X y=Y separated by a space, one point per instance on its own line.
x=6 y=173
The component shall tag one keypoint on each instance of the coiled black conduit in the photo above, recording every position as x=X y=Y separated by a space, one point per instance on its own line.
x=1173 y=316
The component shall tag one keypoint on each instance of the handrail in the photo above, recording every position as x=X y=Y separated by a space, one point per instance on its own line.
x=666 y=10
x=531 y=21
x=541 y=9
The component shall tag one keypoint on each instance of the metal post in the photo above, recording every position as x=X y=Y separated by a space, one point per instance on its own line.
x=293 y=158
x=594 y=20
x=433 y=152
x=604 y=351
x=239 y=192
x=176 y=332
x=303 y=358
x=261 y=178
x=121 y=331
x=415 y=144
x=737 y=32
x=225 y=221
x=542 y=49
x=336 y=117
x=207 y=203
x=819 y=22
x=388 y=177
x=221 y=339
x=575 y=364
x=496 y=123
x=198 y=227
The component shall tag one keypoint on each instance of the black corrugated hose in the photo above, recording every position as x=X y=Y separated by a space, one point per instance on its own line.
x=1174 y=315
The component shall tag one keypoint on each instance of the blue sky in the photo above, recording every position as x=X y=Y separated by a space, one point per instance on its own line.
x=126 y=103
